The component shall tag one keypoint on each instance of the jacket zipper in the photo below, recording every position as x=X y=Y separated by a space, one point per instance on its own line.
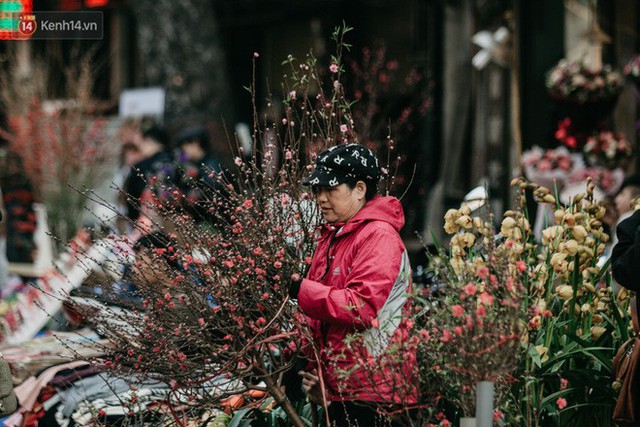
x=324 y=326
x=328 y=267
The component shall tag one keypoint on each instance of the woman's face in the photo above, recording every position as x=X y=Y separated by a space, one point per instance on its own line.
x=340 y=203
x=623 y=200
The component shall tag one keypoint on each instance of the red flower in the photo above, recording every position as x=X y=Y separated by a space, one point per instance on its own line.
x=457 y=310
x=562 y=403
x=446 y=336
x=483 y=271
x=470 y=289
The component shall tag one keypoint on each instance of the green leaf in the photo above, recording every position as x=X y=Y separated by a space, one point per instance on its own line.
x=589 y=352
x=239 y=420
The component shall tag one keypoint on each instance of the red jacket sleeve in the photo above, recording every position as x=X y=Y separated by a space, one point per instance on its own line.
x=372 y=274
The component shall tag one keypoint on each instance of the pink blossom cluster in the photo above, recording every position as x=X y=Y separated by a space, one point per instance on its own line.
x=548 y=160
x=607 y=148
x=576 y=82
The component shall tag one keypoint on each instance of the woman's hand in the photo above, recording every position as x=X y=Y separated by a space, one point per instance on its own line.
x=311 y=385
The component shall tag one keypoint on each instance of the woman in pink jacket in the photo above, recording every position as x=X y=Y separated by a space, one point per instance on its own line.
x=358 y=282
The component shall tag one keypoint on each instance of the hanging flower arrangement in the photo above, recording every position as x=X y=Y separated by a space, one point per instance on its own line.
x=574 y=82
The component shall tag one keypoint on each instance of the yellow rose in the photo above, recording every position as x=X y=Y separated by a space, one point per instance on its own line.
x=564 y=292
x=551 y=233
x=466 y=240
x=597 y=331
x=450 y=227
x=558 y=261
x=464 y=221
x=579 y=233
x=542 y=351
x=508 y=224
x=541 y=304
x=451 y=215
x=623 y=294
x=571 y=247
x=569 y=219
x=477 y=223
x=457 y=264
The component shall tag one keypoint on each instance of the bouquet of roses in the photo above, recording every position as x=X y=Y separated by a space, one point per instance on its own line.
x=576 y=83
x=548 y=160
x=550 y=166
x=608 y=149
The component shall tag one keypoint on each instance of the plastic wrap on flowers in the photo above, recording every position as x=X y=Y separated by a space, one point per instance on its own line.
x=550 y=168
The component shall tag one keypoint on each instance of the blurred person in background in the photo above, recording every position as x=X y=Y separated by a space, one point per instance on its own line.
x=130 y=154
x=18 y=197
x=628 y=192
x=194 y=177
x=156 y=162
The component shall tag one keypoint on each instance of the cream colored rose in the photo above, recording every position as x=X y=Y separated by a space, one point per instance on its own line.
x=464 y=221
x=558 y=262
x=542 y=351
x=571 y=247
x=507 y=225
x=597 y=331
x=552 y=233
x=569 y=219
x=579 y=233
x=564 y=292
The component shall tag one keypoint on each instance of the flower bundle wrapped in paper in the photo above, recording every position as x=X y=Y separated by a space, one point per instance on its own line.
x=550 y=167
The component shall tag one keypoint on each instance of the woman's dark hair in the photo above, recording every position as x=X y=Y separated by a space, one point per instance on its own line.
x=158 y=240
x=157 y=134
x=195 y=133
x=372 y=188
